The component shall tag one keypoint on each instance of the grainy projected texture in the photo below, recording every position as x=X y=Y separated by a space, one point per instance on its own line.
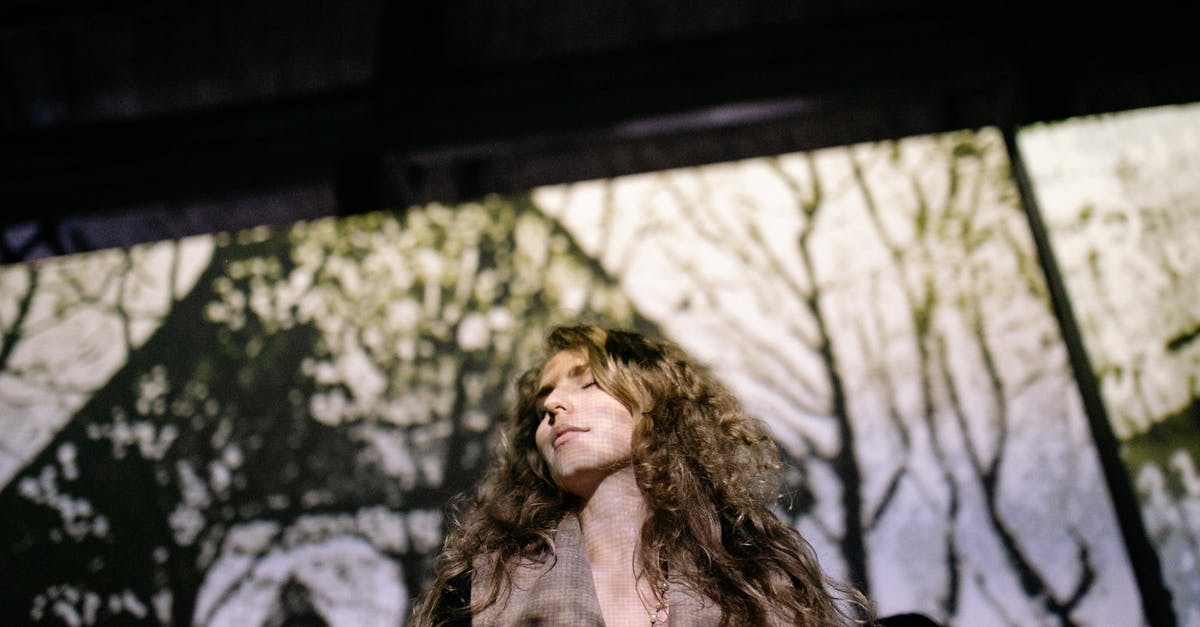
x=69 y=325
x=282 y=445
x=274 y=436
x=881 y=307
x=1121 y=199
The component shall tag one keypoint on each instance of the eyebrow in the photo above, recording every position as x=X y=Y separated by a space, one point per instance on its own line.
x=545 y=390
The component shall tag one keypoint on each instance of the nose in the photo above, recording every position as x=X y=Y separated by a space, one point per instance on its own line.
x=555 y=404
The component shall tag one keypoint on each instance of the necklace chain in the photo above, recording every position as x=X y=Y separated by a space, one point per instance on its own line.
x=661 y=611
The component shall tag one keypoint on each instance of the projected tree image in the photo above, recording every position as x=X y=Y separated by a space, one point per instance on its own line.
x=881 y=307
x=65 y=328
x=1122 y=205
x=270 y=428
x=284 y=444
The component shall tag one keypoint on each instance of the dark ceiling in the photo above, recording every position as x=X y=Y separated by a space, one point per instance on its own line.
x=138 y=120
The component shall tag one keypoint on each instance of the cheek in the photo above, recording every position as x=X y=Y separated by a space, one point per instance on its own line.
x=622 y=426
x=627 y=419
x=627 y=437
x=541 y=437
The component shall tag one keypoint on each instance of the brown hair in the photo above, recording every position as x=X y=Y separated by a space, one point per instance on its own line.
x=709 y=472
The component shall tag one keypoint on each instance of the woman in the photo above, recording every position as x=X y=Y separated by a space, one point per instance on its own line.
x=629 y=488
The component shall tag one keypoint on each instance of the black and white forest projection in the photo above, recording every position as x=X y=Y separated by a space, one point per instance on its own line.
x=259 y=427
x=1121 y=199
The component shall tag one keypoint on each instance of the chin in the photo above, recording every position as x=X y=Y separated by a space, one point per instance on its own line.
x=573 y=478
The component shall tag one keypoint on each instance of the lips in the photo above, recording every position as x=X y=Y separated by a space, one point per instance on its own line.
x=564 y=434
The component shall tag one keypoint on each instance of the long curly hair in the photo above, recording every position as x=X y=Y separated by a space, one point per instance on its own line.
x=709 y=473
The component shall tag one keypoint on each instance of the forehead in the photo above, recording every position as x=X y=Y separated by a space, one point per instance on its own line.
x=564 y=364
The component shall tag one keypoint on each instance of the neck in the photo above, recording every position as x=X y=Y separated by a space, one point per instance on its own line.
x=611 y=520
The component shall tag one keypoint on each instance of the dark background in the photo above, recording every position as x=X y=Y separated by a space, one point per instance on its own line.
x=135 y=120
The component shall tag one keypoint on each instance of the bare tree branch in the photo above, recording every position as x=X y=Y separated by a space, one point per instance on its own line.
x=13 y=334
x=771 y=363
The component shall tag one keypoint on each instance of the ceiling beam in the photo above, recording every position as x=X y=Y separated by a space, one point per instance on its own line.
x=867 y=81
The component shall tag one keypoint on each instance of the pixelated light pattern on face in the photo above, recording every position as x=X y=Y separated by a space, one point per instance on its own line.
x=585 y=433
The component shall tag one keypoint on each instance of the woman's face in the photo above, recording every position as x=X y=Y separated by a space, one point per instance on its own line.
x=585 y=433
